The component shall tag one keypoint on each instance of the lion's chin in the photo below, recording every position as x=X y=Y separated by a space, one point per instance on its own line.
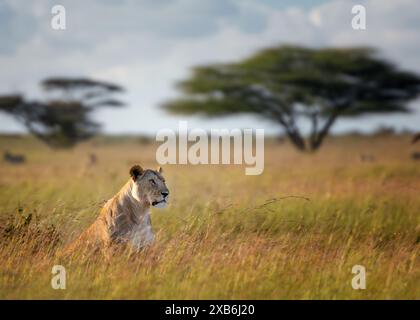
x=159 y=204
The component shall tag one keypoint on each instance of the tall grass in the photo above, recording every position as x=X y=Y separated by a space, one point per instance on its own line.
x=293 y=232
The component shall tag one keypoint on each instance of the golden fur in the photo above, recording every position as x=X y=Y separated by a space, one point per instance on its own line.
x=125 y=218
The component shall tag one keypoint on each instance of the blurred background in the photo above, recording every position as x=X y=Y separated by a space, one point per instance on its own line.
x=146 y=46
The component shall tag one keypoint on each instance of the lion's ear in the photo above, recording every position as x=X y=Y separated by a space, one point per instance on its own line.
x=159 y=169
x=136 y=171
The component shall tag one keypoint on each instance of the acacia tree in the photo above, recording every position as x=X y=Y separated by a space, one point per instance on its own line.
x=64 y=118
x=286 y=84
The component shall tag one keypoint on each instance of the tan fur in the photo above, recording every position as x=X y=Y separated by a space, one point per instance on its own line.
x=125 y=218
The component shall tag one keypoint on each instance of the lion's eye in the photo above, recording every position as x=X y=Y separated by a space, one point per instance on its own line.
x=152 y=181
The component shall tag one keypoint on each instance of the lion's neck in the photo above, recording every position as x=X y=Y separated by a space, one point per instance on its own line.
x=133 y=206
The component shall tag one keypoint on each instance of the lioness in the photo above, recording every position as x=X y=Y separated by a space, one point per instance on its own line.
x=125 y=218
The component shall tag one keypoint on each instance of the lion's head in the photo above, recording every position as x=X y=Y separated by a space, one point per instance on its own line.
x=149 y=186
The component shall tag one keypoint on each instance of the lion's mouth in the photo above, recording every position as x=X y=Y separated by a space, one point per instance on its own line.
x=155 y=203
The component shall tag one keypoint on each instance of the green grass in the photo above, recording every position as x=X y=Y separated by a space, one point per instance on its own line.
x=223 y=236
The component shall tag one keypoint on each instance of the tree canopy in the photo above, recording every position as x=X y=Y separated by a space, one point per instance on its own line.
x=64 y=118
x=289 y=83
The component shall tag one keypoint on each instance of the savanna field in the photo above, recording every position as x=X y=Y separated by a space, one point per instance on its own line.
x=294 y=232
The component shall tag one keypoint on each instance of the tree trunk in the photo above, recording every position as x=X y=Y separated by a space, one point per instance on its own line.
x=297 y=140
x=318 y=138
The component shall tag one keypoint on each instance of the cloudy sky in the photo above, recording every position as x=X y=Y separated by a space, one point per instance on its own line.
x=146 y=45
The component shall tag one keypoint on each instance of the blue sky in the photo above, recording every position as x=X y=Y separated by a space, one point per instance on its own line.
x=146 y=45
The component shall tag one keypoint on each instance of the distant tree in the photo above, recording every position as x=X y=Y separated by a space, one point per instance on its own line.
x=288 y=83
x=416 y=138
x=64 y=118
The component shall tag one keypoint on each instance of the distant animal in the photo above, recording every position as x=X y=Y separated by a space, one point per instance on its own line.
x=416 y=138
x=415 y=155
x=93 y=159
x=14 y=158
x=367 y=158
x=125 y=218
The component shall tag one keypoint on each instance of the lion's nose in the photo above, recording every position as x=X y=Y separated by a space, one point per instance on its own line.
x=165 y=194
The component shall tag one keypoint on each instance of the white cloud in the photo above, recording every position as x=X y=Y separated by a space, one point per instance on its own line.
x=147 y=45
